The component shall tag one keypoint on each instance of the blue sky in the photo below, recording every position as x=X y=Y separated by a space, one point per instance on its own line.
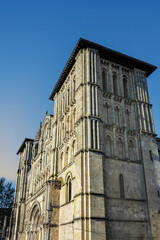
x=36 y=40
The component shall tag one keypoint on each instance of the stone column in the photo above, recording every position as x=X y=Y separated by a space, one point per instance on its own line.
x=53 y=203
x=151 y=117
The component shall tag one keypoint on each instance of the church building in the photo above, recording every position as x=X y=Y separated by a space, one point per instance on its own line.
x=92 y=172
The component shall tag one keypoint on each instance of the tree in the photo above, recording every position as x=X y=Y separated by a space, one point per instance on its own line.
x=6 y=200
x=6 y=194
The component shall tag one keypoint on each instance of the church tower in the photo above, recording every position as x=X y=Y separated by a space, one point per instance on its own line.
x=95 y=172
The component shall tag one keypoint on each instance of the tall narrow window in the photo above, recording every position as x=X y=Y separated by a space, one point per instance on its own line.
x=107 y=113
x=121 y=186
x=115 y=84
x=108 y=146
x=74 y=88
x=117 y=116
x=150 y=154
x=127 y=118
x=125 y=86
x=69 y=190
x=131 y=150
x=104 y=80
x=120 y=148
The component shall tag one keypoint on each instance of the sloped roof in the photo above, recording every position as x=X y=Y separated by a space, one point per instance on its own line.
x=104 y=53
x=23 y=144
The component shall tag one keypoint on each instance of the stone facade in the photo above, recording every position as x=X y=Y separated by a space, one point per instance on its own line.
x=93 y=170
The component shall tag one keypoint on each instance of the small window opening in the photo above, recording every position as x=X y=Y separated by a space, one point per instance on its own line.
x=69 y=190
x=115 y=84
x=104 y=80
x=150 y=154
x=125 y=87
x=121 y=185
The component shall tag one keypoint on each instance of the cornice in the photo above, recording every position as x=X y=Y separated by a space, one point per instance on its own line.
x=105 y=53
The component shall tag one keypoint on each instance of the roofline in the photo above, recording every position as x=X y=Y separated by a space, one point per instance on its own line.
x=104 y=53
x=23 y=144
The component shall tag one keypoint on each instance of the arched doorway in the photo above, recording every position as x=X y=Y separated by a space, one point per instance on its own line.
x=35 y=216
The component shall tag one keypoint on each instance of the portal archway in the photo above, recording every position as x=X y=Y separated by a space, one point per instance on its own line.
x=35 y=215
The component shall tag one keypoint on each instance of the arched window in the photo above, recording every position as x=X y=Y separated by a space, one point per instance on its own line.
x=107 y=108
x=125 y=86
x=117 y=116
x=120 y=148
x=131 y=150
x=104 y=80
x=108 y=146
x=115 y=84
x=121 y=186
x=69 y=190
x=127 y=118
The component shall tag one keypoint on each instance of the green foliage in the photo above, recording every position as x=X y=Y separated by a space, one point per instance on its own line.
x=6 y=200
x=6 y=194
x=4 y=212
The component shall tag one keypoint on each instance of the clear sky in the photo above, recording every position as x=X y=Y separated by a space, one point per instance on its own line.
x=36 y=40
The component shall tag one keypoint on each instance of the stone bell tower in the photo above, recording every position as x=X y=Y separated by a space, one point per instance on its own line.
x=116 y=151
